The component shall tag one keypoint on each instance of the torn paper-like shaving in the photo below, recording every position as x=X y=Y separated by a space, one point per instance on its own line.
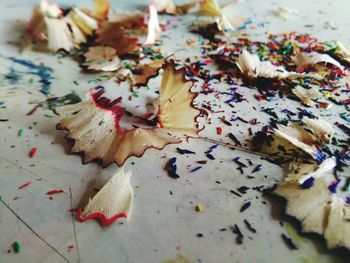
x=49 y=9
x=306 y=95
x=94 y=124
x=301 y=172
x=144 y=72
x=115 y=35
x=342 y=52
x=101 y=9
x=228 y=22
x=118 y=40
x=36 y=27
x=300 y=138
x=153 y=32
x=251 y=66
x=124 y=74
x=61 y=32
x=322 y=129
x=126 y=20
x=102 y=59
x=248 y=64
x=140 y=75
x=310 y=200
x=307 y=205
x=313 y=58
x=165 y=6
x=285 y=12
x=176 y=109
x=209 y=8
x=337 y=232
x=318 y=211
x=112 y=202
x=224 y=24
x=85 y=23
x=169 y=7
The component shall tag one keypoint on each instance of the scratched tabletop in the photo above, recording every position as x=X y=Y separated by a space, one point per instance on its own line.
x=164 y=226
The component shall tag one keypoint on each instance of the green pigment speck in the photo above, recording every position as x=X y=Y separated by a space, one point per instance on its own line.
x=16 y=247
x=20 y=133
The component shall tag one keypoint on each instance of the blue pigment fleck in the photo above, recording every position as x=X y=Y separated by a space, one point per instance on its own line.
x=43 y=72
x=13 y=77
x=308 y=183
x=333 y=186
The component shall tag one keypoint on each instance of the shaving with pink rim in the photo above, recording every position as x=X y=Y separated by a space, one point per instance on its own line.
x=112 y=202
x=94 y=124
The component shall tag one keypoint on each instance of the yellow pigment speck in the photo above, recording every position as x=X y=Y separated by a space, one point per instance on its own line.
x=199 y=208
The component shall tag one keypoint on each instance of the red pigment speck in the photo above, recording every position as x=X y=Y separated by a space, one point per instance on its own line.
x=32 y=110
x=70 y=248
x=219 y=130
x=56 y=191
x=24 y=185
x=259 y=97
x=32 y=152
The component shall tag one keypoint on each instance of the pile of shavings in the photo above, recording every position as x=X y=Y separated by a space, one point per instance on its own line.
x=101 y=39
x=104 y=40
x=128 y=47
x=295 y=65
x=309 y=187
